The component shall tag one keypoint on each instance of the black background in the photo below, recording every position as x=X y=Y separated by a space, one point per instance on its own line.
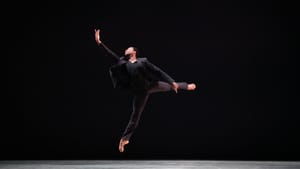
x=61 y=104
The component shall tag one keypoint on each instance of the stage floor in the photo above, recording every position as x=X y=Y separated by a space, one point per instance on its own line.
x=148 y=164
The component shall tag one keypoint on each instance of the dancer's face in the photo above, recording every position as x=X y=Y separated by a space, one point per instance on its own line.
x=130 y=51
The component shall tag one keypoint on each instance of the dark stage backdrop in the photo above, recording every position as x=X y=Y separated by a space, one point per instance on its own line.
x=61 y=103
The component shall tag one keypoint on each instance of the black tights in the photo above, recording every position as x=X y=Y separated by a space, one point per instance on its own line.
x=139 y=103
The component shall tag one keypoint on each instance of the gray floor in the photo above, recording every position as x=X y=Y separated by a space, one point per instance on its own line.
x=148 y=164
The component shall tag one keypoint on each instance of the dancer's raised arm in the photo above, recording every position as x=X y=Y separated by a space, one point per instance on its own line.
x=99 y=42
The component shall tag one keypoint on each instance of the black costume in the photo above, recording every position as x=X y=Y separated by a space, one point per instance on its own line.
x=141 y=78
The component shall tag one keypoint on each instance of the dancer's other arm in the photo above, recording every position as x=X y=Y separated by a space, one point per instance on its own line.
x=160 y=73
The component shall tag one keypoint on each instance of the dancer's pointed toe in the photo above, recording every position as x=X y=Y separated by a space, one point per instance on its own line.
x=191 y=86
x=122 y=143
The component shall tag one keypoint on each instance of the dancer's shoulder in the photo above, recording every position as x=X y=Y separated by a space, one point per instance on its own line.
x=142 y=59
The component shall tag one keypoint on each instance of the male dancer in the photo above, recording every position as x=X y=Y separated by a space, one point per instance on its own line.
x=140 y=77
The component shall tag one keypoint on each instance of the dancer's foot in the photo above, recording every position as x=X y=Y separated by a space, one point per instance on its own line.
x=191 y=86
x=122 y=143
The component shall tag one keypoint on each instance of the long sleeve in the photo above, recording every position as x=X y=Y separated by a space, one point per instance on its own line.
x=110 y=51
x=158 y=72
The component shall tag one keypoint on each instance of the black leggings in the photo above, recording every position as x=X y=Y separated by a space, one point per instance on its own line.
x=139 y=103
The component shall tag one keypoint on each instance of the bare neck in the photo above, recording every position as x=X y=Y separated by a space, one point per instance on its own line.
x=132 y=58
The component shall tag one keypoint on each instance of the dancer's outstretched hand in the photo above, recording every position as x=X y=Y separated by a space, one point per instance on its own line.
x=175 y=86
x=97 y=36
